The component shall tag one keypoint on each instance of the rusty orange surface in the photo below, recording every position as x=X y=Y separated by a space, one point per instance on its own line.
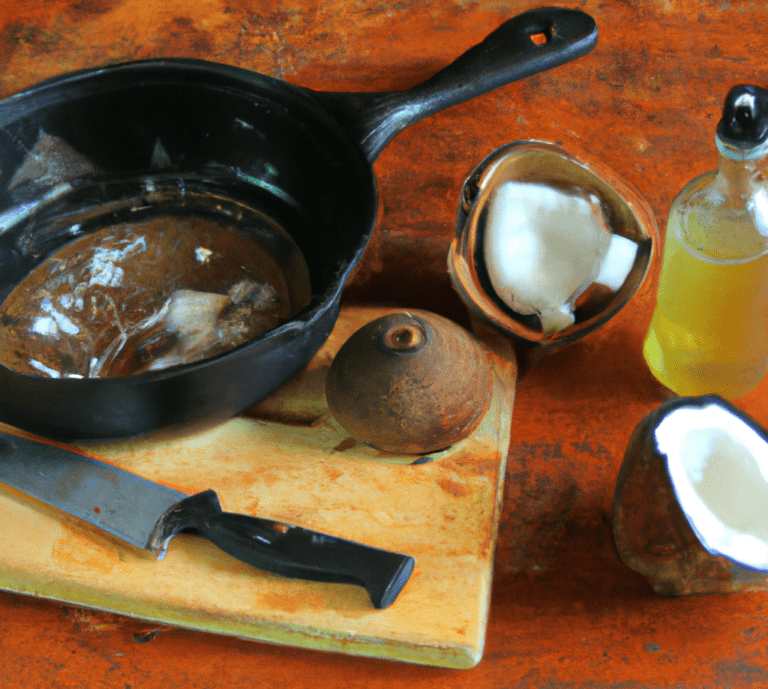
x=565 y=611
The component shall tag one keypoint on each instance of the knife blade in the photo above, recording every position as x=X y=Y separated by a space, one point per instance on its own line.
x=148 y=514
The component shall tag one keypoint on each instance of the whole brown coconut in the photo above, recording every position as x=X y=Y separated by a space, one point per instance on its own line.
x=410 y=383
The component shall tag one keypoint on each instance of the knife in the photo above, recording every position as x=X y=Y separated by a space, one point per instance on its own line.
x=147 y=515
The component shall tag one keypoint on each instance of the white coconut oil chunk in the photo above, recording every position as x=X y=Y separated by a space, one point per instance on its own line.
x=718 y=466
x=543 y=246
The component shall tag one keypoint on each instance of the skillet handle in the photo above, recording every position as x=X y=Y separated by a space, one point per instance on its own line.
x=506 y=55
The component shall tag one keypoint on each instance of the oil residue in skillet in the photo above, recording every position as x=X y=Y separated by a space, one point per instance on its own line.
x=132 y=297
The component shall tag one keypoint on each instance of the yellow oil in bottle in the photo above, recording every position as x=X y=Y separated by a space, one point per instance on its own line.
x=709 y=333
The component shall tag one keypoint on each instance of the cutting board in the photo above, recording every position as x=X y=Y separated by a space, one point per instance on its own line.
x=288 y=459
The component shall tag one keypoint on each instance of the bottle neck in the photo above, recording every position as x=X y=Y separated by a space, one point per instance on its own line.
x=738 y=179
x=725 y=215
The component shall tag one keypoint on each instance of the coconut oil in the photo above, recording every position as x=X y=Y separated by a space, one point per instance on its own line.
x=709 y=332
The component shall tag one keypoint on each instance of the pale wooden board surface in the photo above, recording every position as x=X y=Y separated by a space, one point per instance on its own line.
x=444 y=513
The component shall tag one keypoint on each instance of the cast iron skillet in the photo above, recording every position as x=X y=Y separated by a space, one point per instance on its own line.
x=302 y=158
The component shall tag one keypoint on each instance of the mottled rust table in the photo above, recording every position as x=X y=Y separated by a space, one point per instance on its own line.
x=565 y=611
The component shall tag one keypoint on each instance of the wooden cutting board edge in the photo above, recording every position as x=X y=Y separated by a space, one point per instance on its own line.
x=456 y=656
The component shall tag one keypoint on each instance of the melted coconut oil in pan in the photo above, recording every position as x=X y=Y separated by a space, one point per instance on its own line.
x=151 y=272
x=144 y=296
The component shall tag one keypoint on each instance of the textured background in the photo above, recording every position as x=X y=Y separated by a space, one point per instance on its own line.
x=566 y=612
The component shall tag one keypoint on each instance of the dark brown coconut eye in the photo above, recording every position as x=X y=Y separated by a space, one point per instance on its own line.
x=410 y=383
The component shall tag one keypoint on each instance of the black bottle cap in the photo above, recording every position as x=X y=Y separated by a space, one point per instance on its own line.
x=745 y=117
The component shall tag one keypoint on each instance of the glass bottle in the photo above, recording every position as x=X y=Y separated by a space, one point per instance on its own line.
x=709 y=332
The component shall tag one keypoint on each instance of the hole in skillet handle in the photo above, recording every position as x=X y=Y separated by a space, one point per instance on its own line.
x=539 y=38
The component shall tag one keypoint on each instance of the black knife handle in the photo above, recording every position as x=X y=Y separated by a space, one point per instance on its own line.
x=293 y=551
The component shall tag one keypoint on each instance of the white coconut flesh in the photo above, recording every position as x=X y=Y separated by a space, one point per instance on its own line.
x=543 y=246
x=718 y=466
